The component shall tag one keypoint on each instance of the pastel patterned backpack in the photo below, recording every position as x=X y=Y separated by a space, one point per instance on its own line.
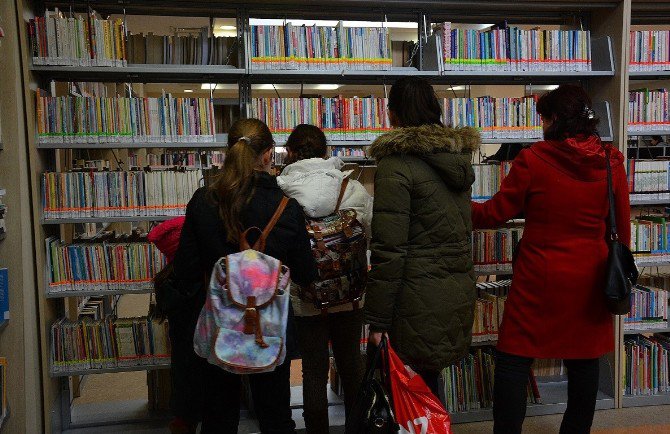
x=339 y=246
x=242 y=326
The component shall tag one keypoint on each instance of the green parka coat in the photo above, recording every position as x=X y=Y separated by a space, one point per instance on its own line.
x=421 y=288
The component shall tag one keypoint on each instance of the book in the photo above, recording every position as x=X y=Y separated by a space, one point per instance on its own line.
x=649 y=50
x=648 y=110
x=4 y=294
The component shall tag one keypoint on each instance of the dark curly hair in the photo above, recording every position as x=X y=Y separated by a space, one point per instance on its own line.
x=569 y=108
x=306 y=141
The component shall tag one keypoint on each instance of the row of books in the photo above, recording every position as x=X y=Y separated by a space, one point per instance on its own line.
x=489 y=310
x=649 y=109
x=646 y=365
x=347 y=152
x=649 y=179
x=117 y=194
x=108 y=343
x=340 y=118
x=81 y=40
x=101 y=265
x=320 y=47
x=495 y=118
x=503 y=48
x=177 y=159
x=649 y=50
x=193 y=49
x=488 y=178
x=649 y=309
x=492 y=248
x=468 y=384
x=649 y=234
x=81 y=119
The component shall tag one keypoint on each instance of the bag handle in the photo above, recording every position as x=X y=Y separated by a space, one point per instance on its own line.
x=610 y=194
x=260 y=243
x=343 y=188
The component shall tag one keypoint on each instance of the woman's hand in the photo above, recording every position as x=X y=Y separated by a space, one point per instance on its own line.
x=375 y=338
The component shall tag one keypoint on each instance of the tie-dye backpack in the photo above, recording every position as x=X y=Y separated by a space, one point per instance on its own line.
x=242 y=327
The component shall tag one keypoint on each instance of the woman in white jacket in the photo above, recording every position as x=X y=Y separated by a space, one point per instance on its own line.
x=315 y=182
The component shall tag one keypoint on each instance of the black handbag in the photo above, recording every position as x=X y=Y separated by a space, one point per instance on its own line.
x=372 y=413
x=622 y=271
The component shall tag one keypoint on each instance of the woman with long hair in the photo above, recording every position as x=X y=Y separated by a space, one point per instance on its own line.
x=556 y=306
x=244 y=195
x=421 y=288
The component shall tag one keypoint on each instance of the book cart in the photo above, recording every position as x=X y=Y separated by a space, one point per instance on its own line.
x=607 y=82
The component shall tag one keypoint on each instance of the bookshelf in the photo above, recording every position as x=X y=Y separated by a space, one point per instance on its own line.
x=144 y=367
x=607 y=82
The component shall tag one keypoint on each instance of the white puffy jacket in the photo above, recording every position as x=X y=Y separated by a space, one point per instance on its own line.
x=315 y=183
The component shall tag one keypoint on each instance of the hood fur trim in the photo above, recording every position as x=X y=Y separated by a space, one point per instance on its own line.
x=426 y=139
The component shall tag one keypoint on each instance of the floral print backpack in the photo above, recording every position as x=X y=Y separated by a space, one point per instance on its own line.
x=242 y=326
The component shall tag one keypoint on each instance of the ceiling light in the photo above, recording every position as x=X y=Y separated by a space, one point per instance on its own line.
x=327 y=86
x=328 y=23
x=208 y=86
x=213 y=86
x=188 y=90
x=227 y=27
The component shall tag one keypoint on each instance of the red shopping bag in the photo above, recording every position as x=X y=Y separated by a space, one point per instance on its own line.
x=417 y=410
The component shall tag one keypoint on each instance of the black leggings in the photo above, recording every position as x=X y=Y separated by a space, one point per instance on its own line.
x=509 y=394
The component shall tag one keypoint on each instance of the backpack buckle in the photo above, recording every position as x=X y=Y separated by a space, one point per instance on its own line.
x=252 y=322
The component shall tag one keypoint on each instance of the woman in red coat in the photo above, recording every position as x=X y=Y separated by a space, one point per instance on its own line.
x=556 y=307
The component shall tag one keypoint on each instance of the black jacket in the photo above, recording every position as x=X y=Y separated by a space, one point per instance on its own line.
x=203 y=242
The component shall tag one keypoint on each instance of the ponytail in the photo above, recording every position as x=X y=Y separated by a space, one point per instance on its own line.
x=248 y=139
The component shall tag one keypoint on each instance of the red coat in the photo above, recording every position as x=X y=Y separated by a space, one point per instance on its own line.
x=556 y=308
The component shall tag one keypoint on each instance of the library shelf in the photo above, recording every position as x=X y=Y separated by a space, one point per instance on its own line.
x=648 y=75
x=220 y=142
x=643 y=331
x=143 y=218
x=653 y=261
x=648 y=132
x=634 y=201
x=105 y=293
x=150 y=73
x=645 y=400
x=554 y=394
x=503 y=269
x=91 y=371
x=257 y=76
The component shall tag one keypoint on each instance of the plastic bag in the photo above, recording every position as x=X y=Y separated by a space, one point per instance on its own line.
x=417 y=410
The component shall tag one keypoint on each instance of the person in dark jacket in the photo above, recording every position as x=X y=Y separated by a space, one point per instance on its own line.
x=244 y=195
x=556 y=307
x=421 y=287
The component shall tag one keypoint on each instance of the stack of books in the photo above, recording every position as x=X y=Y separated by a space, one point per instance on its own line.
x=649 y=309
x=320 y=47
x=340 y=118
x=488 y=178
x=495 y=118
x=108 y=343
x=493 y=250
x=509 y=48
x=649 y=50
x=81 y=40
x=82 y=119
x=101 y=263
x=81 y=194
x=646 y=365
x=648 y=110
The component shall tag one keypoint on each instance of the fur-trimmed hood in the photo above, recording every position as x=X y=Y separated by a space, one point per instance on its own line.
x=425 y=140
x=448 y=151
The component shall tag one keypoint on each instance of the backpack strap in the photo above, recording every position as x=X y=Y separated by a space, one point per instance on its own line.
x=343 y=188
x=260 y=243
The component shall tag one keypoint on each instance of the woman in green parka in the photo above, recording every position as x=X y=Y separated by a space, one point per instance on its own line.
x=421 y=288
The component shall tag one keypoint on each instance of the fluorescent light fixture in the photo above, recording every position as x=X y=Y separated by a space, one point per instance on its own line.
x=329 y=23
x=327 y=86
x=188 y=90
x=227 y=27
x=551 y=87
x=208 y=86
x=213 y=86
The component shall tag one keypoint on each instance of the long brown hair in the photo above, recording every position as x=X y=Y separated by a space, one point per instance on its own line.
x=248 y=139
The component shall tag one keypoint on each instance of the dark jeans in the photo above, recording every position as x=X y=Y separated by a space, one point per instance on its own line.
x=343 y=330
x=271 y=394
x=509 y=394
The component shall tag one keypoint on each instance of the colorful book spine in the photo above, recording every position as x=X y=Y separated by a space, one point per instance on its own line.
x=101 y=266
x=513 y=49
x=488 y=178
x=646 y=365
x=320 y=47
x=108 y=343
x=493 y=250
x=648 y=110
x=84 y=194
x=92 y=120
x=649 y=309
x=649 y=179
x=649 y=50
x=495 y=118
